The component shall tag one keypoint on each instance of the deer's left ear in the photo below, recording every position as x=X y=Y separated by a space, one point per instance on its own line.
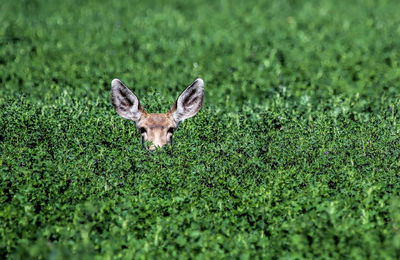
x=189 y=101
x=125 y=102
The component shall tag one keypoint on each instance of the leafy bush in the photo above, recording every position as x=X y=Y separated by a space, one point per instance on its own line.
x=295 y=153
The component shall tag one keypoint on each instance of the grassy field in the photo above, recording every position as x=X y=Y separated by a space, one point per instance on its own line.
x=295 y=153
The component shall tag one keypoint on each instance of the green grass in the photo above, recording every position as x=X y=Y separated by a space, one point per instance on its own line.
x=295 y=153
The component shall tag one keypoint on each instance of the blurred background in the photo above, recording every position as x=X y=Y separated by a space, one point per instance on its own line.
x=294 y=155
x=246 y=51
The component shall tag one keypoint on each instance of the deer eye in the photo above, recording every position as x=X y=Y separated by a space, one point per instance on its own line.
x=142 y=130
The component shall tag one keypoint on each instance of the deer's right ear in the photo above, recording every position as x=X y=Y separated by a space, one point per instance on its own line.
x=125 y=102
x=189 y=101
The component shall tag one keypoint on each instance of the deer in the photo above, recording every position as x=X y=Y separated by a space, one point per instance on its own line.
x=157 y=128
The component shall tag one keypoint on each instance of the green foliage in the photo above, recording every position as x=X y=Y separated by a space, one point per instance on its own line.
x=295 y=153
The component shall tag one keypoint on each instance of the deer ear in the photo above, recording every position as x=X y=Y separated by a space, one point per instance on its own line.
x=189 y=101
x=125 y=102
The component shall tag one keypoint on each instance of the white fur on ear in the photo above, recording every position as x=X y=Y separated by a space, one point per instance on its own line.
x=189 y=101
x=124 y=101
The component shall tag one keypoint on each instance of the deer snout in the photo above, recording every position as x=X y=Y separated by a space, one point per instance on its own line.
x=157 y=139
x=152 y=147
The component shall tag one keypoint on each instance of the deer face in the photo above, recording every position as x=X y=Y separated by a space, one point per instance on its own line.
x=157 y=128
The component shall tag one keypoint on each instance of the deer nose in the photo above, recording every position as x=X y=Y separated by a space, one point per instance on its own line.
x=152 y=147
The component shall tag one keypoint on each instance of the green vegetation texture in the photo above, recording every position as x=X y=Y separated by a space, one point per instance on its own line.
x=294 y=155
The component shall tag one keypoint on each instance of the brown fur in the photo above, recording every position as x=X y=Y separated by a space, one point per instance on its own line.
x=157 y=128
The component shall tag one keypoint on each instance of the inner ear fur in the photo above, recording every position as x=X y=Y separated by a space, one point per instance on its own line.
x=125 y=102
x=189 y=101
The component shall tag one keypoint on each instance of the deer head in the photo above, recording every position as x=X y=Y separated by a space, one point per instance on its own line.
x=157 y=128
